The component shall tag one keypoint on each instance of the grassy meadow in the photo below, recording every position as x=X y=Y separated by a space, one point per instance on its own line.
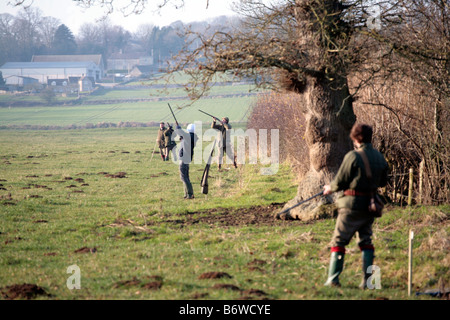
x=236 y=110
x=63 y=203
x=102 y=200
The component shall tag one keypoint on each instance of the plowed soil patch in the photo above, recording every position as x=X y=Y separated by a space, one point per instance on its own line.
x=256 y=215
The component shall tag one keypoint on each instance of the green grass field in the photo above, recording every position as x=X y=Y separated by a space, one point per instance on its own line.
x=128 y=103
x=136 y=238
x=235 y=108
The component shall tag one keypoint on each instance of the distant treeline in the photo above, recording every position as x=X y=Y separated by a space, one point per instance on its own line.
x=31 y=33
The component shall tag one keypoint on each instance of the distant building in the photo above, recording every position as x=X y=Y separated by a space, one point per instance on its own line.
x=85 y=84
x=141 y=71
x=43 y=71
x=20 y=81
x=126 y=61
x=95 y=58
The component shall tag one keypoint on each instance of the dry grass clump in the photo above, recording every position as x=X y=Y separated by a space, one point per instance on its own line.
x=283 y=111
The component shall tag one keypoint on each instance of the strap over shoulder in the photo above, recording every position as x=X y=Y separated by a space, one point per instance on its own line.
x=366 y=163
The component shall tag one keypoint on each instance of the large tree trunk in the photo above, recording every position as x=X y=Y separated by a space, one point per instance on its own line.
x=329 y=116
x=327 y=102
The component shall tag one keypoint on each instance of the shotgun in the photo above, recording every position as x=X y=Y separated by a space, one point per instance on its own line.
x=211 y=116
x=173 y=115
x=204 y=182
x=301 y=202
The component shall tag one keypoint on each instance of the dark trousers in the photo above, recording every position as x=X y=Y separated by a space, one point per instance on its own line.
x=184 y=175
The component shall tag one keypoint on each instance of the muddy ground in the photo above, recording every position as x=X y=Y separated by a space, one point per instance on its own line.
x=256 y=215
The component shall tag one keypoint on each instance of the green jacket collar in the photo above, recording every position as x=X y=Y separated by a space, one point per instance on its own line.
x=365 y=145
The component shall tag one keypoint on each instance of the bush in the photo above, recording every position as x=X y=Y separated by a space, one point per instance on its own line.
x=283 y=111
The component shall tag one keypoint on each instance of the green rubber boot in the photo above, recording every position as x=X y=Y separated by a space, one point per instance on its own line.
x=367 y=261
x=336 y=267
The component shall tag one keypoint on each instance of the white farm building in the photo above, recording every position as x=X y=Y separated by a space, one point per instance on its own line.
x=44 y=71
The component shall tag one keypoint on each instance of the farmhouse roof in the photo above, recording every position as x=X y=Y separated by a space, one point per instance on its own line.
x=143 y=68
x=131 y=55
x=23 y=77
x=96 y=58
x=44 y=65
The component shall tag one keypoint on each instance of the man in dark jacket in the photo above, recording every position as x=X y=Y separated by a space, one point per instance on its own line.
x=353 y=214
x=186 y=154
x=224 y=144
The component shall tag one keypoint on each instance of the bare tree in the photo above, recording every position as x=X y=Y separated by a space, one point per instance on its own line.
x=47 y=28
x=415 y=93
x=7 y=38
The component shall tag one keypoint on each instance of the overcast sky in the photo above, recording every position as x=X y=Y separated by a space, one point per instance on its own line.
x=74 y=16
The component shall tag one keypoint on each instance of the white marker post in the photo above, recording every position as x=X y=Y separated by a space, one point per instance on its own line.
x=410 y=271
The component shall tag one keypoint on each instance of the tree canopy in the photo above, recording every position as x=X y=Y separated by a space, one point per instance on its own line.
x=63 y=41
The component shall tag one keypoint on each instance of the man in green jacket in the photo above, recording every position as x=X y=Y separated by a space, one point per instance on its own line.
x=168 y=142
x=353 y=214
x=224 y=144
x=160 y=140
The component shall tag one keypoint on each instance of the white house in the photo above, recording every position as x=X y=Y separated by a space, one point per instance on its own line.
x=95 y=58
x=85 y=84
x=141 y=71
x=43 y=71
x=126 y=61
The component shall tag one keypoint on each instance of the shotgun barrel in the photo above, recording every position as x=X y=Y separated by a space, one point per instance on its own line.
x=173 y=115
x=211 y=116
x=301 y=202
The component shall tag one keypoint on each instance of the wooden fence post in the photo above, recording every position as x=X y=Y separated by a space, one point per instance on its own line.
x=394 y=191
x=422 y=164
x=410 y=260
x=410 y=191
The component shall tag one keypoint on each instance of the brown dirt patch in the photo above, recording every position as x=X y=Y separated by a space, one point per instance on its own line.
x=50 y=254
x=197 y=295
x=254 y=292
x=226 y=286
x=25 y=291
x=40 y=221
x=159 y=175
x=38 y=186
x=256 y=215
x=214 y=275
x=256 y=262
x=155 y=285
x=86 y=250
x=127 y=283
x=117 y=175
